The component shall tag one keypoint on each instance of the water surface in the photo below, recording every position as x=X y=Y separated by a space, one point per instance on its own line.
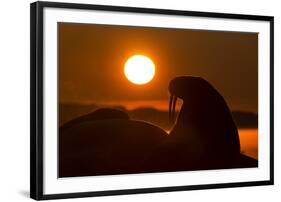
x=249 y=142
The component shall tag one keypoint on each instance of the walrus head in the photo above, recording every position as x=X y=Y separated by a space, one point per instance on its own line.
x=205 y=110
x=187 y=88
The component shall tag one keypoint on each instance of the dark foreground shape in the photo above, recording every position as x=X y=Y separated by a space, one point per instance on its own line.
x=112 y=146
x=108 y=142
x=205 y=132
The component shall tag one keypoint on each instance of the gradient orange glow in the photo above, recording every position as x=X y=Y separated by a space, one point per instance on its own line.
x=130 y=68
x=249 y=141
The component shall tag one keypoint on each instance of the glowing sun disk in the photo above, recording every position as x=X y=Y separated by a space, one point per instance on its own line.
x=139 y=69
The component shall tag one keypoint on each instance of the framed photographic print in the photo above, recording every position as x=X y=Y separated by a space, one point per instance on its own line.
x=131 y=100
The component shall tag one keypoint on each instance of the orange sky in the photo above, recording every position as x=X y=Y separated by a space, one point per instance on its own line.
x=92 y=57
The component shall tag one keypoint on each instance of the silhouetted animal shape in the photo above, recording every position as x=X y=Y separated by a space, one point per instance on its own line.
x=107 y=143
x=205 y=132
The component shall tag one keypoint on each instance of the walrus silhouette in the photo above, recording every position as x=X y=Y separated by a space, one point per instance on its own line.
x=205 y=132
x=107 y=141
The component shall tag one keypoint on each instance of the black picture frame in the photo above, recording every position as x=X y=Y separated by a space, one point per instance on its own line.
x=36 y=99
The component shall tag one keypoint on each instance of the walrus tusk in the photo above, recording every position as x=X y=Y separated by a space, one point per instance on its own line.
x=172 y=107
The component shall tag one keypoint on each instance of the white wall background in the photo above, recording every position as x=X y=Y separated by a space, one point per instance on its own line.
x=14 y=100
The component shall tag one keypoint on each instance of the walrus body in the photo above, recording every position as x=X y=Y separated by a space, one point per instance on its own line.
x=108 y=146
x=205 y=132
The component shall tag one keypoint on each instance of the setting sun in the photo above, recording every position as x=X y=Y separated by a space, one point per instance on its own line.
x=139 y=69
